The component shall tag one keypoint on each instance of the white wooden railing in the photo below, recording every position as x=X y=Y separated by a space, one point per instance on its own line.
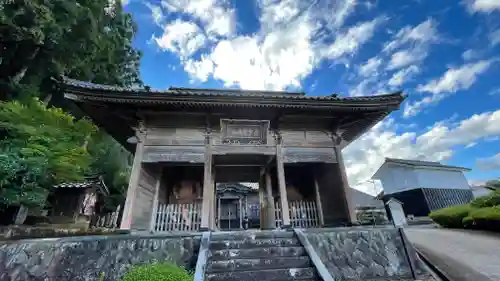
x=109 y=220
x=303 y=214
x=178 y=217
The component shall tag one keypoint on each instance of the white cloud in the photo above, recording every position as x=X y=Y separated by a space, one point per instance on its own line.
x=490 y=163
x=349 y=42
x=217 y=17
x=486 y=6
x=181 y=37
x=453 y=80
x=405 y=57
x=156 y=13
x=425 y=32
x=456 y=79
x=411 y=44
x=402 y=76
x=494 y=92
x=370 y=67
x=495 y=37
x=469 y=55
x=365 y=155
x=288 y=46
x=199 y=69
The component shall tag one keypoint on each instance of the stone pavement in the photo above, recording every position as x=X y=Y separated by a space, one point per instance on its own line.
x=464 y=255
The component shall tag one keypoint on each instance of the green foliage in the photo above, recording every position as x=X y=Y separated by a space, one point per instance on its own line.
x=112 y=161
x=484 y=218
x=490 y=200
x=451 y=216
x=90 y=40
x=44 y=147
x=158 y=272
x=87 y=40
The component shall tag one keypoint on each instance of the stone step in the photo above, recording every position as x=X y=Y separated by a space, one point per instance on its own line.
x=258 y=264
x=288 y=274
x=246 y=244
x=260 y=252
x=251 y=235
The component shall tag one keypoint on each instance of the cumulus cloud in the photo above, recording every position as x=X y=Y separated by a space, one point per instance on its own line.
x=456 y=79
x=485 y=6
x=180 y=37
x=365 y=155
x=402 y=76
x=370 y=67
x=489 y=163
x=453 y=80
x=495 y=37
x=294 y=37
x=349 y=42
x=469 y=55
x=216 y=15
x=411 y=44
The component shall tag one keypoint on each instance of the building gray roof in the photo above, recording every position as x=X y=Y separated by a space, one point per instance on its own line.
x=421 y=163
x=88 y=182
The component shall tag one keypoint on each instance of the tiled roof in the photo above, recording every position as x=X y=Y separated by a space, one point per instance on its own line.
x=422 y=163
x=177 y=91
x=87 y=183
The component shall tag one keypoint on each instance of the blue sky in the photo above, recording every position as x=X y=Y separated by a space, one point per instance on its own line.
x=444 y=54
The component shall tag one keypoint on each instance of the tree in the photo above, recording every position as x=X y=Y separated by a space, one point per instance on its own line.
x=113 y=162
x=40 y=40
x=90 y=40
x=46 y=146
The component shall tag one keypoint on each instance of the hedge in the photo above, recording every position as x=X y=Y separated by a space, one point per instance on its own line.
x=451 y=217
x=158 y=272
x=490 y=200
x=483 y=218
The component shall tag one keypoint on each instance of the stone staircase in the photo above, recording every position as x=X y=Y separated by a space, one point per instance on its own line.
x=258 y=256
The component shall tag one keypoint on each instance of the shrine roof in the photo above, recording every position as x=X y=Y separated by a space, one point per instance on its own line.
x=118 y=109
x=75 y=89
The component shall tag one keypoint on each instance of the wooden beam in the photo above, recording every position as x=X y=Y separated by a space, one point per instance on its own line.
x=282 y=186
x=134 y=179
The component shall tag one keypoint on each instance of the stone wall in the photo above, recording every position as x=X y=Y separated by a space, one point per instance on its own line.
x=366 y=254
x=85 y=258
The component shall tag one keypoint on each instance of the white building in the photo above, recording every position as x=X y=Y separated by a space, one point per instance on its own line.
x=481 y=190
x=423 y=186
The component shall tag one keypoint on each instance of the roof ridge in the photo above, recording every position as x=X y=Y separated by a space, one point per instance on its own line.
x=234 y=90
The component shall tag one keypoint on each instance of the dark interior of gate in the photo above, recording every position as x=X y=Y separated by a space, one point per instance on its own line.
x=311 y=188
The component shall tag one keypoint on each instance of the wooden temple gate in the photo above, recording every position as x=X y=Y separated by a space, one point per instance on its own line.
x=186 y=141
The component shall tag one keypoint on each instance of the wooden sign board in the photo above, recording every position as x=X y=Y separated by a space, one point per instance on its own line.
x=237 y=131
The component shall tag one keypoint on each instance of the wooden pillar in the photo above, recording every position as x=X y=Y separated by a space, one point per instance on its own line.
x=271 y=219
x=262 y=203
x=318 y=202
x=134 y=180
x=345 y=186
x=207 y=187
x=285 y=214
x=155 y=200
x=241 y=213
x=212 y=202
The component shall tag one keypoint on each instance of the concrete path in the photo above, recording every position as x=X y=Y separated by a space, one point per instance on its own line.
x=465 y=255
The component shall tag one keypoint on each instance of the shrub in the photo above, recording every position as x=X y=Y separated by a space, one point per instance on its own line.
x=483 y=218
x=490 y=200
x=451 y=216
x=158 y=272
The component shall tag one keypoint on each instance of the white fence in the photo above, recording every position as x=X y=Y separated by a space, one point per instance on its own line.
x=303 y=214
x=109 y=220
x=178 y=217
